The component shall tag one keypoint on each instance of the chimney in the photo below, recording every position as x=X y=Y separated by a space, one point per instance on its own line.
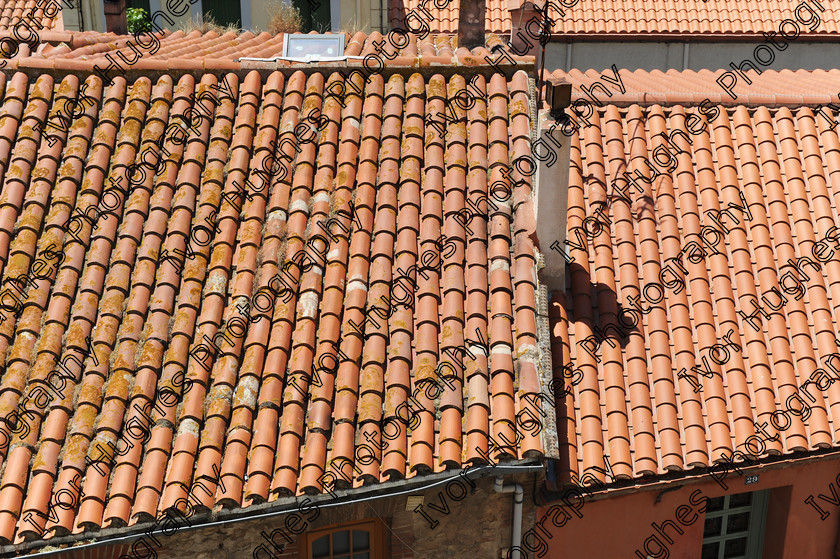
x=551 y=150
x=471 y=21
x=526 y=21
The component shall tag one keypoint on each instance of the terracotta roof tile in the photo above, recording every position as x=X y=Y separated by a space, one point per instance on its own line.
x=36 y=15
x=771 y=88
x=171 y=261
x=710 y=226
x=601 y=18
x=84 y=51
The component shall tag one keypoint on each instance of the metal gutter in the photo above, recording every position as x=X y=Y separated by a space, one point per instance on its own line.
x=696 y=476
x=116 y=536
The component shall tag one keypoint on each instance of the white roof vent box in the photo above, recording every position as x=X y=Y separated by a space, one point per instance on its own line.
x=312 y=48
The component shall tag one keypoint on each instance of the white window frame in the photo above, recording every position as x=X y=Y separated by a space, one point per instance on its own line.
x=337 y=37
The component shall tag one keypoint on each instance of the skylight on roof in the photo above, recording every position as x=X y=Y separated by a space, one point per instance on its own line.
x=312 y=46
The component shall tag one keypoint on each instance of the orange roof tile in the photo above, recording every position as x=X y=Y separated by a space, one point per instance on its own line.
x=31 y=14
x=628 y=18
x=211 y=51
x=672 y=327
x=771 y=88
x=314 y=268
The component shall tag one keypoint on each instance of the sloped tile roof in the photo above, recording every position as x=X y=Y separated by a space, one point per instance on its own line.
x=31 y=13
x=671 y=328
x=604 y=18
x=211 y=51
x=771 y=88
x=176 y=47
x=203 y=317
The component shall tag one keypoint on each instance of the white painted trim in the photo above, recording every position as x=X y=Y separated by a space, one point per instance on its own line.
x=302 y=59
x=245 y=10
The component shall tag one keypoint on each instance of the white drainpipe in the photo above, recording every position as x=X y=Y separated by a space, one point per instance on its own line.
x=518 y=499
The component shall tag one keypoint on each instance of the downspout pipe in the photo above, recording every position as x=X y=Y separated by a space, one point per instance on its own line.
x=518 y=500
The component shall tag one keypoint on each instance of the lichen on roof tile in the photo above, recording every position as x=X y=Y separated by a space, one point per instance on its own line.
x=213 y=307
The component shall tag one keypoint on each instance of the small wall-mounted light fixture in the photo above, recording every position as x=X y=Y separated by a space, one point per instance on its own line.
x=558 y=95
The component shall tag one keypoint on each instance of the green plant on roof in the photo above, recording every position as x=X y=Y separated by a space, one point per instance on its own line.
x=138 y=20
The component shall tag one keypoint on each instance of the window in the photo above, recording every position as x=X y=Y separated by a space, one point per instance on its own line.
x=734 y=527
x=359 y=540
x=313 y=46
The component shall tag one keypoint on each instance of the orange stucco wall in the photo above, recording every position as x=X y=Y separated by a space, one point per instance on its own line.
x=617 y=527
